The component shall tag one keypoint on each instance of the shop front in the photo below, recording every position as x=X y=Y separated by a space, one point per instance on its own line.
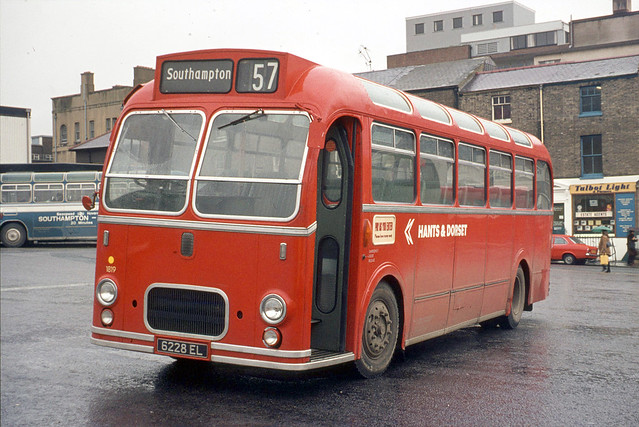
x=585 y=208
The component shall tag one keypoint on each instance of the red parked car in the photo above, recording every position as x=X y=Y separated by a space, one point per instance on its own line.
x=571 y=250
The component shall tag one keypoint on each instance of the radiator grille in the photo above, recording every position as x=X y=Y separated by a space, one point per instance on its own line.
x=186 y=311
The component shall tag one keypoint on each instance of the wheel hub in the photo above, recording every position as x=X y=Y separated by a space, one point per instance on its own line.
x=378 y=329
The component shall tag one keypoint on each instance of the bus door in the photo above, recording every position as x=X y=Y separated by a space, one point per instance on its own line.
x=334 y=213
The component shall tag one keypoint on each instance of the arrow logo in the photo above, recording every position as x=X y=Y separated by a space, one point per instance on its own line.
x=409 y=238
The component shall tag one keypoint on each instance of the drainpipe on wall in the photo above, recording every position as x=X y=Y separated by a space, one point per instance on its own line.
x=541 y=112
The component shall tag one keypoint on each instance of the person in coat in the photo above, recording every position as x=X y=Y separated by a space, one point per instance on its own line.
x=604 y=249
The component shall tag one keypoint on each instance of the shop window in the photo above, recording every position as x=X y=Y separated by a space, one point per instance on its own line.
x=593 y=213
x=591 y=157
x=590 y=101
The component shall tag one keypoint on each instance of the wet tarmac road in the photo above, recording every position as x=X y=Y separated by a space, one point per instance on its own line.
x=574 y=360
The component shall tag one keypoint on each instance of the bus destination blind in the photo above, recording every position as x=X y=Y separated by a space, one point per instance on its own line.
x=209 y=76
x=216 y=76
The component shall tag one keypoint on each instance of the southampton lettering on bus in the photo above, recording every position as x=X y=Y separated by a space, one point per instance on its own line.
x=259 y=209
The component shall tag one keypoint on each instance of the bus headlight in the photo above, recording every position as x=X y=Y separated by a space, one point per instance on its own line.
x=107 y=317
x=272 y=337
x=273 y=309
x=106 y=292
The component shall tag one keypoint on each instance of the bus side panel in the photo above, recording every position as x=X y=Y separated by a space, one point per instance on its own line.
x=469 y=233
x=541 y=264
x=499 y=250
x=433 y=275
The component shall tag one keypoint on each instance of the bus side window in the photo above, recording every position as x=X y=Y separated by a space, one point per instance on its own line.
x=437 y=169
x=47 y=193
x=472 y=177
x=524 y=183
x=393 y=164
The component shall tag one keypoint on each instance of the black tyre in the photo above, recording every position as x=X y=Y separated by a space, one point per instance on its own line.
x=13 y=235
x=381 y=329
x=569 y=259
x=518 y=302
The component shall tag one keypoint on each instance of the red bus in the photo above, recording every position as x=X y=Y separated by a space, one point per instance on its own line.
x=258 y=209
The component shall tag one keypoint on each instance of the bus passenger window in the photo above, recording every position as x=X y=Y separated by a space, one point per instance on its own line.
x=472 y=176
x=524 y=183
x=393 y=164
x=544 y=186
x=501 y=173
x=48 y=193
x=437 y=169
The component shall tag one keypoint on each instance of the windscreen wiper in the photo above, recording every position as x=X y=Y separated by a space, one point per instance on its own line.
x=250 y=116
x=178 y=125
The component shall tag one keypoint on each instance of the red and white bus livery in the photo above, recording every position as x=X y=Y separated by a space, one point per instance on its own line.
x=261 y=210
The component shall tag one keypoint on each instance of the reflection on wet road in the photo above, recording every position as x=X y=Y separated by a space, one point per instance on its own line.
x=573 y=361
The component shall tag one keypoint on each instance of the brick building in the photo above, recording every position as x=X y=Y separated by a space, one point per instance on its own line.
x=586 y=114
x=84 y=116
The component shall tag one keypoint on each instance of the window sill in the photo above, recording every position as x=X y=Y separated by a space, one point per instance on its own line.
x=591 y=114
x=504 y=121
x=592 y=176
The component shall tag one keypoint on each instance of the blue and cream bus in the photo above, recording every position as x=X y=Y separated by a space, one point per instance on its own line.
x=44 y=203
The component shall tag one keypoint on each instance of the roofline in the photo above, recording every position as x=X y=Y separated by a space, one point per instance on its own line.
x=446 y=12
x=599 y=18
x=557 y=64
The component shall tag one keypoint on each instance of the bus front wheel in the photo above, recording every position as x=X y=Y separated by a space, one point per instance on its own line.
x=518 y=302
x=381 y=329
x=13 y=235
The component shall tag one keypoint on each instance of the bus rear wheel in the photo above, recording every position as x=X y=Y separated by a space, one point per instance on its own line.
x=518 y=302
x=13 y=235
x=381 y=329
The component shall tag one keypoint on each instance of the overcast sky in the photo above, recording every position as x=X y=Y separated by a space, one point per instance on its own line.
x=46 y=44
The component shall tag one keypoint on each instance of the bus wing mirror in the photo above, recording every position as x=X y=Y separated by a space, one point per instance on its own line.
x=89 y=202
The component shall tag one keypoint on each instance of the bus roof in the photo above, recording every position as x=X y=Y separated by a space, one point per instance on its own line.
x=280 y=80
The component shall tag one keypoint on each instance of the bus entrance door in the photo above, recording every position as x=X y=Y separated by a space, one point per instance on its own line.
x=334 y=206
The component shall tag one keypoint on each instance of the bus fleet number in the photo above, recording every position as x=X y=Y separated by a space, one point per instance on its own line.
x=264 y=76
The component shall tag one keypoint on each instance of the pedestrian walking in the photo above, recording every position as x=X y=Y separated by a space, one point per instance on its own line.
x=632 y=247
x=604 y=252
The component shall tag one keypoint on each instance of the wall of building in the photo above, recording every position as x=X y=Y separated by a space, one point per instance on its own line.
x=563 y=126
x=606 y=29
x=513 y=14
x=15 y=135
x=431 y=56
x=94 y=112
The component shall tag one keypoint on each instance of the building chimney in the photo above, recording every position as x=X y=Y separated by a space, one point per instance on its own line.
x=620 y=7
x=87 y=83
x=142 y=75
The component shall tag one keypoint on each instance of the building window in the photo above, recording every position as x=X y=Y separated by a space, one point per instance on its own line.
x=63 y=135
x=477 y=20
x=591 y=157
x=498 y=16
x=457 y=22
x=519 y=42
x=501 y=108
x=419 y=28
x=77 y=132
x=590 y=101
x=108 y=124
x=438 y=26
x=91 y=129
x=545 y=39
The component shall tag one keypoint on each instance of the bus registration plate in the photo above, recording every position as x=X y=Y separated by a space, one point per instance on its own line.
x=182 y=348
